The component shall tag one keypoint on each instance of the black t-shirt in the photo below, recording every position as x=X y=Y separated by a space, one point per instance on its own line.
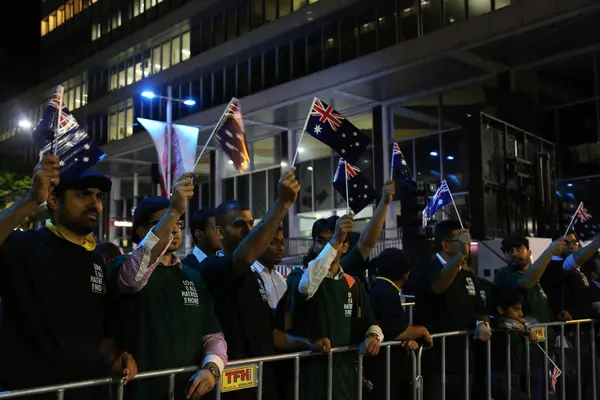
x=242 y=307
x=568 y=290
x=457 y=309
x=53 y=298
x=388 y=309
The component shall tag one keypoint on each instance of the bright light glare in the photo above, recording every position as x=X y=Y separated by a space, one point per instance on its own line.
x=148 y=94
x=433 y=153
x=300 y=149
x=310 y=168
x=189 y=102
x=25 y=124
x=230 y=162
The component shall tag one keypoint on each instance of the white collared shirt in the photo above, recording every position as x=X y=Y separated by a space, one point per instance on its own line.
x=275 y=284
x=199 y=254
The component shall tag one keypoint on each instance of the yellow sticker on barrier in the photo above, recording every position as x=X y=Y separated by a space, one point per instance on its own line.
x=239 y=378
x=540 y=333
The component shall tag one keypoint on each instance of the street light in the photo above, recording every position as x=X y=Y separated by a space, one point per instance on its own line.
x=25 y=124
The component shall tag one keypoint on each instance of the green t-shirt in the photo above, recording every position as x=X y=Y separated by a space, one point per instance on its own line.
x=163 y=326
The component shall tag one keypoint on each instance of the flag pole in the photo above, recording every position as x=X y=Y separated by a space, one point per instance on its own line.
x=57 y=125
x=303 y=130
x=392 y=166
x=454 y=204
x=212 y=134
x=572 y=219
x=347 y=196
x=549 y=358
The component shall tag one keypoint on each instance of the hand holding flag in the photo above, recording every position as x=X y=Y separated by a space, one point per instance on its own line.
x=399 y=162
x=440 y=199
x=59 y=132
x=584 y=224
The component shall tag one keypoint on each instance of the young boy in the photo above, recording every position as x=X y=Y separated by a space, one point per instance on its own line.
x=508 y=307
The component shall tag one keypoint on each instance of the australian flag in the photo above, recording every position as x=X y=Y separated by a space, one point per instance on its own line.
x=360 y=191
x=333 y=129
x=399 y=163
x=232 y=136
x=440 y=199
x=58 y=132
x=554 y=374
x=584 y=225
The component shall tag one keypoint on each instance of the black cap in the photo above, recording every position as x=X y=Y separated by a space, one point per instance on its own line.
x=514 y=240
x=88 y=179
x=144 y=211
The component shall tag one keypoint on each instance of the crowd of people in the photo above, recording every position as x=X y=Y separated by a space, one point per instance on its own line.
x=73 y=310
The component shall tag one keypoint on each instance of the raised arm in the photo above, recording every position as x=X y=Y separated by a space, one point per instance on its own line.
x=256 y=242
x=532 y=275
x=370 y=235
x=581 y=256
x=45 y=178
x=446 y=276
x=138 y=267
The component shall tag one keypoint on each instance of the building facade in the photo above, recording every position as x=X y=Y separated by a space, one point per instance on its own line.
x=412 y=71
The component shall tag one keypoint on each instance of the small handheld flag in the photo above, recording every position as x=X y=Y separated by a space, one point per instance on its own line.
x=399 y=162
x=353 y=186
x=59 y=133
x=332 y=128
x=584 y=225
x=440 y=199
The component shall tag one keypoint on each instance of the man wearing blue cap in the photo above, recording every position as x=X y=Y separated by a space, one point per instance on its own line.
x=53 y=290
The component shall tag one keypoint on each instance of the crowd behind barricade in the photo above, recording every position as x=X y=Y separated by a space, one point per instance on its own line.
x=72 y=310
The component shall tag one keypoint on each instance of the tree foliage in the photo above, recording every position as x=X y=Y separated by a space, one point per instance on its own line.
x=13 y=186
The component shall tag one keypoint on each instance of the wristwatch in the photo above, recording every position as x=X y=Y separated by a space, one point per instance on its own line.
x=214 y=370
x=375 y=335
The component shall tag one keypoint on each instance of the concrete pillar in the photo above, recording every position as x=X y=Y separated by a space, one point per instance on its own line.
x=292 y=145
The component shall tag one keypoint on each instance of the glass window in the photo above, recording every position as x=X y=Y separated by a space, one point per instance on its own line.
x=242 y=78
x=367 y=32
x=230 y=82
x=243 y=17
x=136 y=7
x=257 y=14
x=273 y=175
x=349 y=39
x=259 y=194
x=409 y=24
x=314 y=41
x=428 y=160
x=206 y=91
x=207 y=34
x=138 y=69
x=113 y=127
x=60 y=16
x=219 y=29
x=156 y=60
x=299 y=58
x=285 y=7
x=129 y=121
x=175 y=50
x=71 y=99
x=44 y=26
x=121 y=124
x=243 y=189
x=77 y=97
x=231 y=24
x=228 y=188
x=185 y=46
x=77 y=6
x=84 y=94
x=52 y=21
x=311 y=148
x=269 y=67
x=256 y=74
x=270 y=10
x=476 y=7
x=130 y=72
x=146 y=64
x=218 y=86
x=298 y=4
x=122 y=76
x=322 y=175
x=331 y=45
x=265 y=153
x=69 y=9
x=431 y=14
x=456 y=159
x=166 y=55
x=387 y=23
x=304 y=172
x=284 y=65
x=455 y=9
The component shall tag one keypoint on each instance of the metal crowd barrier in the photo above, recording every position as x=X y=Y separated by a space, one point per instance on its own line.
x=247 y=373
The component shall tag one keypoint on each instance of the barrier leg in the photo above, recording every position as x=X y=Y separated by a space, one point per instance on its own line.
x=297 y=378
x=359 y=373
x=528 y=368
x=562 y=362
x=578 y=346
x=172 y=387
x=467 y=369
x=508 y=367
x=488 y=356
x=388 y=356
x=120 y=389
x=594 y=356
x=444 y=368
x=260 y=381
x=330 y=377
x=60 y=395
x=218 y=390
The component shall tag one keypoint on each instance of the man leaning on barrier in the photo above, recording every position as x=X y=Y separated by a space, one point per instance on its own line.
x=332 y=304
x=449 y=298
x=162 y=309
x=53 y=328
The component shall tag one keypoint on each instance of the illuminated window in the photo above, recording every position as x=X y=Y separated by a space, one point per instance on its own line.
x=129 y=121
x=60 y=16
x=116 y=20
x=52 y=21
x=83 y=94
x=175 y=50
x=156 y=60
x=185 y=46
x=77 y=102
x=71 y=99
x=44 y=26
x=113 y=127
x=121 y=76
x=166 y=55
x=96 y=31
x=77 y=6
x=69 y=10
x=113 y=79
x=130 y=73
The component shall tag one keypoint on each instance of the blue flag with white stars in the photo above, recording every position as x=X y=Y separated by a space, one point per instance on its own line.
x=440 y=199
x=360 y=192
x=59 y=133
x=332 y=128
